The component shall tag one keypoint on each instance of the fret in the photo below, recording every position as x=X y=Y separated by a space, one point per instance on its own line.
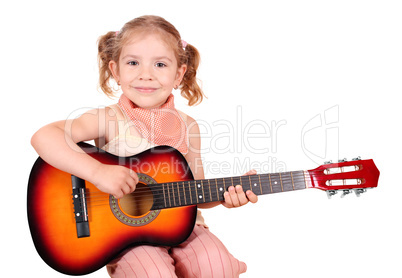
x=265 y=184
x=213 y=190
x=249 y=181
x=293 y=183
x=210 y=191
x=193 y=193
x=237 y=181
x=270 y=183
x=184 y=194
x=257 y=187
x=196 y=191
x=220 y=187
x=227 y=183
x=171 y=194
x=203 y=192
x=217 y=191
x=299 y=180
x=174 y=196
x=164 y=196
x=189 y=193
x=206 y=191
x=276 y=183
x=168 y=192
x=287 y=182
x=180 y=193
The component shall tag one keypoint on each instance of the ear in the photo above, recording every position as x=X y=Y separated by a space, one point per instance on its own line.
x=180 y=73
x=114 y=68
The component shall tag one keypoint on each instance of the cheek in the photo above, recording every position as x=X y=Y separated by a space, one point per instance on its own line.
x=168 y=80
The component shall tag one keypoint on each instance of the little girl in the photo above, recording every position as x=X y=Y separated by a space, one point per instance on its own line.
x=147 y=59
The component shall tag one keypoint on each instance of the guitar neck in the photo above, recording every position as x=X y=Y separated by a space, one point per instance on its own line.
x=194 y=192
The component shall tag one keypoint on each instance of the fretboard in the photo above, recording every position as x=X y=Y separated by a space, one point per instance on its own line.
x=186 y=193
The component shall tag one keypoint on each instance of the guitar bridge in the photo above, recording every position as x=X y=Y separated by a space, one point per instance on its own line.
x=80 y=207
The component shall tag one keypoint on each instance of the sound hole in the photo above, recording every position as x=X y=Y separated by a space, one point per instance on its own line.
x=139 y=202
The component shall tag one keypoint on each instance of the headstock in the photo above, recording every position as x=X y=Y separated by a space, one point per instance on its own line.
x=347 y=176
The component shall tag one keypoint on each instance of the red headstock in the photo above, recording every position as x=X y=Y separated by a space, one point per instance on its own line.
x=356 y=175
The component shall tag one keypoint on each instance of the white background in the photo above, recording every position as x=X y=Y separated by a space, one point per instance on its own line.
x=286 y=63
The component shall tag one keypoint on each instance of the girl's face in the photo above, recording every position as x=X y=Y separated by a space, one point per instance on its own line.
x=147 y=71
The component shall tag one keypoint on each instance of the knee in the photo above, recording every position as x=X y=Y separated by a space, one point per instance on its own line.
x=221 y=264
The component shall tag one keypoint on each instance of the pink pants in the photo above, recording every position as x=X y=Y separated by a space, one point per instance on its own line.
x=201 y=255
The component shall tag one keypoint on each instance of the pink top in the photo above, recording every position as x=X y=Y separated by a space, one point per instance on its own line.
x=129 y=142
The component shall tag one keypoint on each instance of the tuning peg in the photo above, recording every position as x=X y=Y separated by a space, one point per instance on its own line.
x=357 y=158
x=359 y=191
x=331 y=193
x=342 y=160
x=328 y=162
x=346 y=192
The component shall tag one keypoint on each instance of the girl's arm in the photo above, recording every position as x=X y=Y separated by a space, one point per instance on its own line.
x=235 y=196
x=56 y=144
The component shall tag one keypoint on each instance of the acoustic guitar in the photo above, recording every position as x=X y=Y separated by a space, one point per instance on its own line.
x=78 y=229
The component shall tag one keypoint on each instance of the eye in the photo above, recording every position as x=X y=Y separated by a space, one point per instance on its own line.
x=160 y=65
x=133 y=63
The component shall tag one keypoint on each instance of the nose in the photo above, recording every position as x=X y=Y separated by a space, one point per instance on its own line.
x=145 y=73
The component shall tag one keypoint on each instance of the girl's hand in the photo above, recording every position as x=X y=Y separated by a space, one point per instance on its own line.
x=235 y=196
x=116 y=180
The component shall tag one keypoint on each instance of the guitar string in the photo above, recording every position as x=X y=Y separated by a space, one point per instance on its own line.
x=175 y=193
x=180 y=184
x=176 y=187
x=280 y=181
x=218 y=184
x=144 y=199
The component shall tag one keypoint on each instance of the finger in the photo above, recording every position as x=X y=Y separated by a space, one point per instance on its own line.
x=233 y=196
x=132 y=181
x=241 y=195
x=119 y=194
x=251 y=172
x=134 y=176
x=228 y=201
x=251 y=196
x=126 y=189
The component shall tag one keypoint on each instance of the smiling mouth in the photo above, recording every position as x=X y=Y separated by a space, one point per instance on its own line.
x=145 y=90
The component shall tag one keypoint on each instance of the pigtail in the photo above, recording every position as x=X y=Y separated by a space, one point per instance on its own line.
x=189 y=86
x=106 y=51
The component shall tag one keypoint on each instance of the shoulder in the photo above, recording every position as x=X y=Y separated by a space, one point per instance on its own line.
x=103 y=116
x=191 y=124
x=102 y=121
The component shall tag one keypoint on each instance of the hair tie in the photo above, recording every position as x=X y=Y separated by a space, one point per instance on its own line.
x=184 y=44
x=117 y=33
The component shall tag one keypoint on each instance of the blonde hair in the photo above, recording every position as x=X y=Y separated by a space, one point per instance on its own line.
x=111 y=44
